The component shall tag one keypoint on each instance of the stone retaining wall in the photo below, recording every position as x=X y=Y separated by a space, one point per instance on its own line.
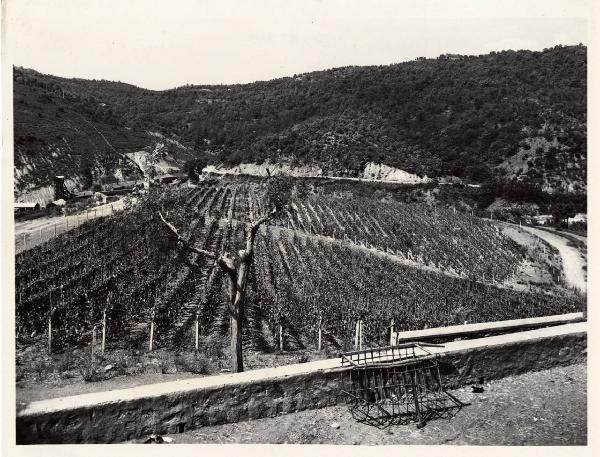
x=114 y=416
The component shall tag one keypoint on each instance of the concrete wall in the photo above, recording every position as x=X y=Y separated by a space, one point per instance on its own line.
x=106 y=417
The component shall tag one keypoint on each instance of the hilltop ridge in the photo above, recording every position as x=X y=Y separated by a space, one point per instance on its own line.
x=510 y=115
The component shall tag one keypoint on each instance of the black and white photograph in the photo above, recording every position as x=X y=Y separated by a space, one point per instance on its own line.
x=315 y=222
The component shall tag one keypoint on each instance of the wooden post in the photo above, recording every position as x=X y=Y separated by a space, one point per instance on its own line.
x=197 y=345
x=151 y=334
x=360 y=339
x=103 y=331
x=356 y=335
x=93 y=341
x=50 y=334
x=392 y=331
x=280 y=338
x=319 y=345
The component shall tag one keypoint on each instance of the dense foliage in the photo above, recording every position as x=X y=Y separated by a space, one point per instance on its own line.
x=461 y=116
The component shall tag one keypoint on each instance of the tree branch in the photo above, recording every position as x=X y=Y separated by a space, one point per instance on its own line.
x=254 y=228
x=182 y=243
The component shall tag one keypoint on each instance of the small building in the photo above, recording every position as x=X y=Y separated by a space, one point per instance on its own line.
x=100 y=197
x=167 y=179
x=57 y=203
x=543 y=219
x=84 y=194
x=25 y=208
x=580 y=218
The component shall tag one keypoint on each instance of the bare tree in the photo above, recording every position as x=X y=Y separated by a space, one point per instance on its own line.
x=237 y=267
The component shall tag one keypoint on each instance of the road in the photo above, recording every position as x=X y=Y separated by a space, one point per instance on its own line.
x=32 y=232
x=574 y=263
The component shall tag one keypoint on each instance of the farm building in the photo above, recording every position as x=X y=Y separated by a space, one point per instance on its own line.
x=26 y=207
x=84 y=194
x=543 y=219
x=57 y=203
x=578 y=218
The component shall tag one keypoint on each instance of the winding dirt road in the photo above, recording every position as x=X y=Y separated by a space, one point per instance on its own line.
x=573 y=261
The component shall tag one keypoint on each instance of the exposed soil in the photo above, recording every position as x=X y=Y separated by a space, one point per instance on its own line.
x=538 y=408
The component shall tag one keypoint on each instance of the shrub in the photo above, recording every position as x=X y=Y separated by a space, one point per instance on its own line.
x=194 y=363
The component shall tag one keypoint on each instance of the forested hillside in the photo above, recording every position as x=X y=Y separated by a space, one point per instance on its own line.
x=514 y=115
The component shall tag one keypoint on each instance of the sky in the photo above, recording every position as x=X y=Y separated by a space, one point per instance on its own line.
x=163 y=44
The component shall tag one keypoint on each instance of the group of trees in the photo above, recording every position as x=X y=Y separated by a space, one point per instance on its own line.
x=434 y=116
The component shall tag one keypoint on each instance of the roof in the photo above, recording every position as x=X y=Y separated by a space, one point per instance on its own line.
x=26 y=204
x=59 y=202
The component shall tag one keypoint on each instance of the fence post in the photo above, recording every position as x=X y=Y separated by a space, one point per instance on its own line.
x=319 y=345
x=280 y=338
x=93 y=341
x=197 y=346
x=392 y=331
x=50 y=334
x=151 y=334
x=360 y=340
x=103 y=331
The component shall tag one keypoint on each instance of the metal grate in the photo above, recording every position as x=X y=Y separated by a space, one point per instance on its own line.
x=396 y=385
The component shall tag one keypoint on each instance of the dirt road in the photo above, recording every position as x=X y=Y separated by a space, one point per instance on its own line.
x=32 y=232
x=574 y=263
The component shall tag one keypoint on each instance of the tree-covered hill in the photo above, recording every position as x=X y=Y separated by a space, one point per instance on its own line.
x=512 y=114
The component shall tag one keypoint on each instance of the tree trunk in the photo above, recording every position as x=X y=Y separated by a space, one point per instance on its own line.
x=238 y=295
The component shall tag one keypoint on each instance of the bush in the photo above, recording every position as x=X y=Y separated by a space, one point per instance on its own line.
x=194 y=363
x=92 y=372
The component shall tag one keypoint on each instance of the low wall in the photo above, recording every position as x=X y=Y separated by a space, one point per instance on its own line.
x=113 y=416
x=451 y=332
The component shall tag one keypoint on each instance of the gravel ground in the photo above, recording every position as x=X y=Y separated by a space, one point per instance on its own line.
x=539 y=408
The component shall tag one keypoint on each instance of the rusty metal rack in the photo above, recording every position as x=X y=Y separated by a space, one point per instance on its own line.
x=396 y=385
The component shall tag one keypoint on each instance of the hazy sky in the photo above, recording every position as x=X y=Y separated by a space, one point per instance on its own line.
x=163 y=44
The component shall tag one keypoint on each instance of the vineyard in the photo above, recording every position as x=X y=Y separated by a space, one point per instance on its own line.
x=122 y=271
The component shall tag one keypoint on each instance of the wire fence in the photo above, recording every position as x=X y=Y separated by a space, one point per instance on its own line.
x=31 y=238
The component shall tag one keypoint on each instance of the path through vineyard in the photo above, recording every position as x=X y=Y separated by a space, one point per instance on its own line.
x=573 y=261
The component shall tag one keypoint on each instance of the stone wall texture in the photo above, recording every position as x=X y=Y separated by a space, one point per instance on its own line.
x=134 y=417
